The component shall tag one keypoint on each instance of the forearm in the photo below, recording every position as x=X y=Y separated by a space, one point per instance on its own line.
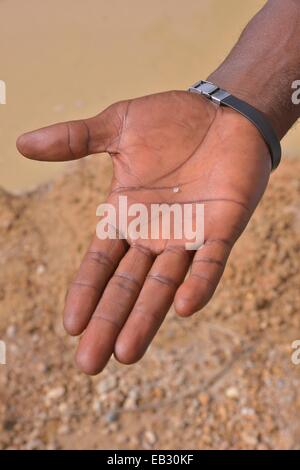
x=265 y=62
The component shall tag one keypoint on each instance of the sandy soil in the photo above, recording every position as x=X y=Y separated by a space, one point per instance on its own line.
x=221 y=379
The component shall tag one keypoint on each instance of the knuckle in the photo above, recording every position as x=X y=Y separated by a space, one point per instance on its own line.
x=165 y=280
x=99 y=257
x=128 y=278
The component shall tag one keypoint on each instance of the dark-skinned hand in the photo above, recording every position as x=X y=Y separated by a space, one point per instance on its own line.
x=124 y=289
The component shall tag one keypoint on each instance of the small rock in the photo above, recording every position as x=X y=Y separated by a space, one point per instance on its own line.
x=222 y=411
x=96 y=406
x=112 y=416
x=203 y=398
x=7 y=217
x=158 y=392
x=122 y=439
x=42 y=367
x=40 y=269
x=113 y=427
x=150 y=437
x=63 y=429
x=107 y=384
x=35 y=338
x=131 y=401
x=232 y=392
x=52 y=446
x=34 y=444
x=249 y=439
x=11 y=331
x=134 y=442
x=63 y=408
x=9 y=424
x=245 y=411
x=55 y=393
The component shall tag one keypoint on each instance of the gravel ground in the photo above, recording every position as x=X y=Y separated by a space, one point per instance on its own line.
x=222 y=379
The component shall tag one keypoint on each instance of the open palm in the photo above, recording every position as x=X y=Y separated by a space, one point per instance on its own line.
x=173 y=147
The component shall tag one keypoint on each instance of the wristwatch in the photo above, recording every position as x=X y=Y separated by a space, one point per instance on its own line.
x=223 y=98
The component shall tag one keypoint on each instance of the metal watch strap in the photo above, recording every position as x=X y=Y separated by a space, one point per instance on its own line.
x=222 y=97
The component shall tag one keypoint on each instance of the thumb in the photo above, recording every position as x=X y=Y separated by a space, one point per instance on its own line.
x=74 y=139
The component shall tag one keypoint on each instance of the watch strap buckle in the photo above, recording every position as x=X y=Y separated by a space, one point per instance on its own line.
x=211 y=91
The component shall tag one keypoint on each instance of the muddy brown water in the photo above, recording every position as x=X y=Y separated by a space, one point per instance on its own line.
x=65 y=59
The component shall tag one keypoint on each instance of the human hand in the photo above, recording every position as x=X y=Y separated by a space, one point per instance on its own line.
x=124 y=289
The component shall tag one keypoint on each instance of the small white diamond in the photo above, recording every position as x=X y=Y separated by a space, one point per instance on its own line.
x=176 y=189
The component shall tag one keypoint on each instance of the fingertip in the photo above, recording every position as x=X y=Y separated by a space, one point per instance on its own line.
x=86 y=364
x=22 y=144
x=71 y=325
x=39 y=144
x=124 y=354
x=57 y=142
x=94 y=349
x=183 y=306
x=188 y=299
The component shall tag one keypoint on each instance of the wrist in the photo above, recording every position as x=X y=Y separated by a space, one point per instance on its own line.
x=221 y=97
x=263 y=65
x=252 y=92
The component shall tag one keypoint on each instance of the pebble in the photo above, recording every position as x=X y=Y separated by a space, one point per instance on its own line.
x=63 y=408
x=55 y=393
x=40 y=269
x=96 y=406
x=113 y=427
x=150 y=437
x=247 y=411
x=111 y=416
x=131 y=401
x=232 y=392
x=249 y=439
x=63 y=429
x=203 y=398
x=11 y=331
x=106 y=385
x=34 y=444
